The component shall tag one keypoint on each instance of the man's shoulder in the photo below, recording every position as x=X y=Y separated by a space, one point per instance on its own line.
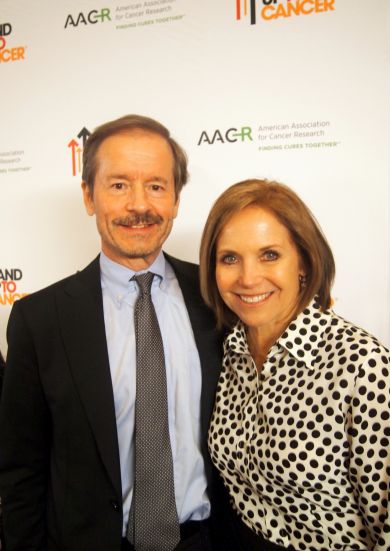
x=183 y=267
x=40 y=296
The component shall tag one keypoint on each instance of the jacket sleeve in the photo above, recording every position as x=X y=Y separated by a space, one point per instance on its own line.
x=24 y=441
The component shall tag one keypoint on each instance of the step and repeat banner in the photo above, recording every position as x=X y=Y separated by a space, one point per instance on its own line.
x=292 y=90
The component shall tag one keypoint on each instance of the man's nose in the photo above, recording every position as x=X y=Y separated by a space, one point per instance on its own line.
x=138 y=199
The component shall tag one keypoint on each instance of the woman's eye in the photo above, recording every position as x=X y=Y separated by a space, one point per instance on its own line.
x=229 y=259
x=270 y=255
x=118 y=185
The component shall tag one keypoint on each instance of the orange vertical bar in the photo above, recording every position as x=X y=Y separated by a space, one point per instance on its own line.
x=238 y=11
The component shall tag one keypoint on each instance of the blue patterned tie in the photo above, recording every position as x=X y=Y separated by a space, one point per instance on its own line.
x=153 y=522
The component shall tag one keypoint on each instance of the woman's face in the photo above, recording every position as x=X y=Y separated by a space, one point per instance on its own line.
x=257 y=270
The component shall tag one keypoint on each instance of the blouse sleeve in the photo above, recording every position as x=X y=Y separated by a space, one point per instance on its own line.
x=368 y=429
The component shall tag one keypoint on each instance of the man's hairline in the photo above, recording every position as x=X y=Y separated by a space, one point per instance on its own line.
x=131 y=131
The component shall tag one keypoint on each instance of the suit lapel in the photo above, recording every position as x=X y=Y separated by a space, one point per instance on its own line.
x=80 y=308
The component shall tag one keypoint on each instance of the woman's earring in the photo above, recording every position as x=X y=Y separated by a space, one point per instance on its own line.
x=302 y=281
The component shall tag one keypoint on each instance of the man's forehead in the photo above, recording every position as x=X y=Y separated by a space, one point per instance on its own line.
x=138 y=150
x=142 y=142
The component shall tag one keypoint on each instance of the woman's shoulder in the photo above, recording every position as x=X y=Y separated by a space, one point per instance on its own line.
x=356 y=351
x=354 y=335
x=329 y=338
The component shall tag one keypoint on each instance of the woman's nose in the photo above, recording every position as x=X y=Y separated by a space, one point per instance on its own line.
x=250 y=274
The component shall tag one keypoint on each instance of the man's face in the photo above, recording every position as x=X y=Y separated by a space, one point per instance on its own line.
x=133 y=197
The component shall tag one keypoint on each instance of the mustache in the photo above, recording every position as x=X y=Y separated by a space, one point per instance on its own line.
x=137 y=219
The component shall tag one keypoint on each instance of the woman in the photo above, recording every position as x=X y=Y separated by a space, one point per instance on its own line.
x=301 y=426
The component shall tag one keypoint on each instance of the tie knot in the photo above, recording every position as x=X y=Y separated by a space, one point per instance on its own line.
x=144 y=282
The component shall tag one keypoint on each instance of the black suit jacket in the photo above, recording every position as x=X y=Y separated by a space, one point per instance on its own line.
x=59 y=462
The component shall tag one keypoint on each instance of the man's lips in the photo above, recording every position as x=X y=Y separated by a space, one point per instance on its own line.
x=136 y=226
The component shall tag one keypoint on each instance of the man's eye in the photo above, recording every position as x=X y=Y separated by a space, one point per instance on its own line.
x=156 y=187
x=118 y=185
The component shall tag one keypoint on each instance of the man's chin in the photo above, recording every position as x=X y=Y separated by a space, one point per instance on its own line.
x=141 y=255
x=147 y=255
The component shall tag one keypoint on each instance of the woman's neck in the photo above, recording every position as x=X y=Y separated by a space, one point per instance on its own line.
x=260 y=342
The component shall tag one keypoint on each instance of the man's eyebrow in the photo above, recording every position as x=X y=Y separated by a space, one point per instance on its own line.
x=156 y=179
x=119 y=176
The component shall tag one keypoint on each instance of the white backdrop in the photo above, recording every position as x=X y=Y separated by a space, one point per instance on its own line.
x=311 y=92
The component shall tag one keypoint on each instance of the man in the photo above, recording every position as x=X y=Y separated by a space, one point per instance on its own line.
x=68 y=427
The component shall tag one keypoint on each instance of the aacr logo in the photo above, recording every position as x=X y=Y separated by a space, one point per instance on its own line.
x=231 y=135
x=91 y=17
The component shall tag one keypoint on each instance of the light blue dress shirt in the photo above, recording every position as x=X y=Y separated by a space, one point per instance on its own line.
x=184 y=380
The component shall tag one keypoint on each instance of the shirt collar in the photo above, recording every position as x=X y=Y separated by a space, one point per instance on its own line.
x=116 y=279
x=301 y=339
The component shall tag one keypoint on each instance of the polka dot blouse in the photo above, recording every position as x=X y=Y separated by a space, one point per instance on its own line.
x=304 y=447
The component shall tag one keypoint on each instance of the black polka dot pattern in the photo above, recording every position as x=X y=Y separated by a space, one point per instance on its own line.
x=304 y=447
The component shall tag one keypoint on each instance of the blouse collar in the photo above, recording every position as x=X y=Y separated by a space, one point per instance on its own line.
x=302 y=338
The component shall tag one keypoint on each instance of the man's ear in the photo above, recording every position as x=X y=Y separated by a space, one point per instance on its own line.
x=88 y=198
